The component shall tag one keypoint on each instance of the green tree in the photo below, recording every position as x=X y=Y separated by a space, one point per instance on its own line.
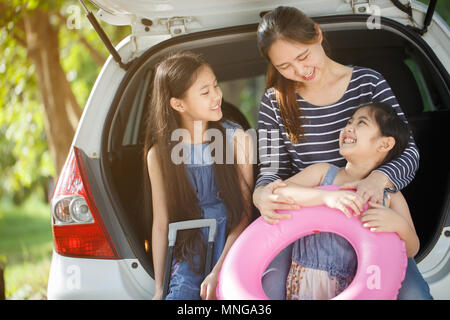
x=442 y=8
x=48 y=65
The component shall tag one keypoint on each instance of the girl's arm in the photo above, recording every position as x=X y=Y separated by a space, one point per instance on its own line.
x=396 y=218
x=300 y=189
x=244 y=156
x=160 y=220
x=337 y=199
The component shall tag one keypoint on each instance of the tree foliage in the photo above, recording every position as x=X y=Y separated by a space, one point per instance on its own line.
x=25 y=160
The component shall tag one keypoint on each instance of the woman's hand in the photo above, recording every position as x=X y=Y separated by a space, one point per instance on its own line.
x=343 y=199
x=267 y=202
x=371 y=188
x=208 y=287
x=381 y=219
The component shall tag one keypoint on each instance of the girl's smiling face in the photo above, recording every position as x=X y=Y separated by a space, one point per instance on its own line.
x=203 y=100
x=361 y=137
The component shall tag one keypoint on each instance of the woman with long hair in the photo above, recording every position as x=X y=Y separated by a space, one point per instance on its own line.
x=308 y=101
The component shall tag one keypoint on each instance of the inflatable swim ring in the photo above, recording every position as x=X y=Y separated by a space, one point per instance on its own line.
x=381 y=256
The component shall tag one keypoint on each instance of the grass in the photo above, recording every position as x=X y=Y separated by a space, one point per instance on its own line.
x=26 y=242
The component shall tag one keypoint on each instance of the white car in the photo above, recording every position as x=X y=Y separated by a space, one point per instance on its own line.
x=101 y=228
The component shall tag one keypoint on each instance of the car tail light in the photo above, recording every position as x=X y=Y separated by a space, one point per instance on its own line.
x=78 y=230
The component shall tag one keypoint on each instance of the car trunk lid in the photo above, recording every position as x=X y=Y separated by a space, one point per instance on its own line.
x=178 y=17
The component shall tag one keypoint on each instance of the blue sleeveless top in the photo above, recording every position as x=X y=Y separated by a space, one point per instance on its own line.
x=184 y=282
x=326 y=251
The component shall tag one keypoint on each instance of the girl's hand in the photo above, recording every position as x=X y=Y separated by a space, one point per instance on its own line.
x=208 y=287
x=371 y=188
x=267 y=202
x=381 y=219
x=342 y=199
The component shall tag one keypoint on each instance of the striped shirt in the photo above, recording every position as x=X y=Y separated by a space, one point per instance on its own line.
x=281 y=159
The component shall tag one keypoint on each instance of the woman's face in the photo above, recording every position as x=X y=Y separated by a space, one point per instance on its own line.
x=361 y=136
x=299 y=62
x=203 y=100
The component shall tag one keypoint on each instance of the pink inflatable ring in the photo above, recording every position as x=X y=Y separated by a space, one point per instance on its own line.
x=381 y=256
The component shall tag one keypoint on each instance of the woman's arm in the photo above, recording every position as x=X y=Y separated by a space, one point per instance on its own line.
x=402 y=170
x=267 y=202
x=396 y=218
x=244 y=157
x=160 y=220
x=274 y=162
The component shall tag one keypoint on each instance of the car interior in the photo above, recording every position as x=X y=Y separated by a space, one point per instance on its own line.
x=234 y=57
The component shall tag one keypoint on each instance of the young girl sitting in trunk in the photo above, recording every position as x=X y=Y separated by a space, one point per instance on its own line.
x=324 y=264
x=186 y=102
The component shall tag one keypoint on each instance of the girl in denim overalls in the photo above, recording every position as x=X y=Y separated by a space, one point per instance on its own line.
x=324 y=264
x=192 y=178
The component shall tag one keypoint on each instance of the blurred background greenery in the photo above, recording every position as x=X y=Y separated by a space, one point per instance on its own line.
x=27 y=168
x=27 y=165
x=442 y=8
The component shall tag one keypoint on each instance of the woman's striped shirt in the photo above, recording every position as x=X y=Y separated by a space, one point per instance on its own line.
x=281 y=159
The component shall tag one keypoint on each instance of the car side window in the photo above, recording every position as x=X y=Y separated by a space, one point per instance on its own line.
x=427 y=88
x=135 y=116
x=245 y=94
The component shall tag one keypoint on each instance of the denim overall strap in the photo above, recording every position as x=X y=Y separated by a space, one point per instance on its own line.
x=385 y=195
x=330 y=175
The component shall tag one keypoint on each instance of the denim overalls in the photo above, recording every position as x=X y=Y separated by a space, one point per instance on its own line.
x=184 y=283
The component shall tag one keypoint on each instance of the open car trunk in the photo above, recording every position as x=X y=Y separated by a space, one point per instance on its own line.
x=399 y=54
